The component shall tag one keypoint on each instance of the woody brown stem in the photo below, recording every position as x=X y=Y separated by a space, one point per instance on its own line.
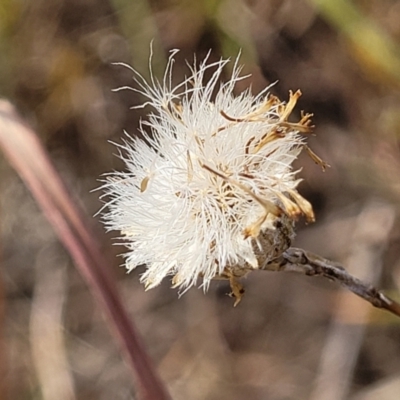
x=307 y=263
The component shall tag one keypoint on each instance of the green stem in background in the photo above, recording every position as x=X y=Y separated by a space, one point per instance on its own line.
x=374 y=46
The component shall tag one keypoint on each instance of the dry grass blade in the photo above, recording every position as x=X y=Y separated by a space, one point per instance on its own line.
x=343 y=343
x=46 y=331
x=26 y=154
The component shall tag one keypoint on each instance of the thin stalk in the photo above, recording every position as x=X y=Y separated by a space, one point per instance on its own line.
x=310 y=264
x=26 y=154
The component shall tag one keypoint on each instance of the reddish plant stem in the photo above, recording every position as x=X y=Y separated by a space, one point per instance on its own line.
x=26 y=154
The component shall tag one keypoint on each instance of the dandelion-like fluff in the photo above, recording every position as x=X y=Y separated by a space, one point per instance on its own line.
x=210 y=191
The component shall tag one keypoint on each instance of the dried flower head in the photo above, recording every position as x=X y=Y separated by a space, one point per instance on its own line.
x=210 y=191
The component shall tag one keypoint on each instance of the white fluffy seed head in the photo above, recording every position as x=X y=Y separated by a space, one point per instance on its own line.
x=210 y=190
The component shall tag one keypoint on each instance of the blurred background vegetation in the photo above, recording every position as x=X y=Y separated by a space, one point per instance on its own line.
x=292 y=337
